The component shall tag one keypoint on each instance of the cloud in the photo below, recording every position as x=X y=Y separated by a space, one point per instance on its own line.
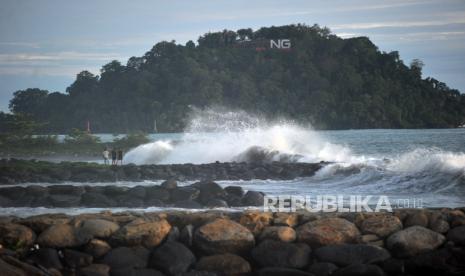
x=58 y=56
x=398 y=24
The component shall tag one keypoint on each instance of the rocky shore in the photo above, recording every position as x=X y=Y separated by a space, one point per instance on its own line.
x=202 y=194
x=14 y=171
x=405 y=242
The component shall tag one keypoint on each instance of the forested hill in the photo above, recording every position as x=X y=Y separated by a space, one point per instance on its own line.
x=331 y=82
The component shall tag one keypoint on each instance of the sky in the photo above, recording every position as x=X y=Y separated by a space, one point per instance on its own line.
x=45 y=43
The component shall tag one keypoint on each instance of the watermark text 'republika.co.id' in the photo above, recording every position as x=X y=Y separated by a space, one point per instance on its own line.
x=337 y=203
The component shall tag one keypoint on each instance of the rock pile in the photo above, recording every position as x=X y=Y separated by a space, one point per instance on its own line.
x=249 y=243
x=14 y=171
x=203 y=194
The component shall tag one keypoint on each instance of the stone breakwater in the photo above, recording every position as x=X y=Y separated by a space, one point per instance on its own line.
x=202 y=194
x=405 y=242
x=15 y=171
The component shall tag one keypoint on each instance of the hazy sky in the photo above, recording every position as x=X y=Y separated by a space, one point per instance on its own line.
x=45 y=43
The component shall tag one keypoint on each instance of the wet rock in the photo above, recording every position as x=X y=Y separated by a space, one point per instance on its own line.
x=209 y=190
x=327 y=231
x=457 y=235
x=140 y=232
x=252 y=198
x=456 y=218
x=97 y=248
x=98 y=228
x=278 y=233
x=46 y=257
x=235 y=190
x=347 y=254
x=184 y=193
x=359 y=270
x=281 y=254
x=75 y=259
x=125 y=257
x=282 y=271
x=16 y=236
x=438 y=222
x=256 y=221
x=95 y=270
x=12 y=266
x=224 y=264
x=414 y=240
x=61 y=236
x=322 y=269
x=169 y=184
x=223 y=236
x=10 y=270
x=438 y=262
x=394 y=266
x=382 y=225
x=172 y=258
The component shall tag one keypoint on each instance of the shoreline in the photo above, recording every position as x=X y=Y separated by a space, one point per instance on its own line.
x=404 y=242
x=15 y=171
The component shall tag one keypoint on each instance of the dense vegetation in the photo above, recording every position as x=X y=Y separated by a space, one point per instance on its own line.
x=331 y=82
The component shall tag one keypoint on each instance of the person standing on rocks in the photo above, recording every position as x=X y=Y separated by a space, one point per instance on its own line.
x=106 y=156
x=120 y=157
x=113 y=157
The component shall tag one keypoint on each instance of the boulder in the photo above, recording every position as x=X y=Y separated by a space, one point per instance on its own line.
x=140 y=232
x=256 y=221
x=61 y=236
x=209 y=190
x=169 y=184
x=253 y=198
x=16 y=236
x=125 y=257
x=98 y=228
x=188 y=204
x=457 y=235
x=40 y=223
x=184 y=193
x=235 y=190
x=286 y=219
x=322 y=269
x=75 y=259
x=382 y=225
x=186 y=235
x=172 y=258
x=359 y=270
x=418 y=218
x=414 y=240
x=347 y=254
x=95 y=270
x=224 y=264
x=60 y=200
x=327 y=231
x=217 y=203
x=223 y=236
x=157 y=192
x=137 y=192
x=97 y=248
x=278 y=233
x=282 y=271
x=438 y=222
x=92 y=199
x=281 y=254
x=46 y=257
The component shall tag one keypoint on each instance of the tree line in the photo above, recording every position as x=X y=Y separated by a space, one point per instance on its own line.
x=330 y=82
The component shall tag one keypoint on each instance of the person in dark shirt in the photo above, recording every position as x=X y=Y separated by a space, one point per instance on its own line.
x=113 y=157
x=120 y=157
